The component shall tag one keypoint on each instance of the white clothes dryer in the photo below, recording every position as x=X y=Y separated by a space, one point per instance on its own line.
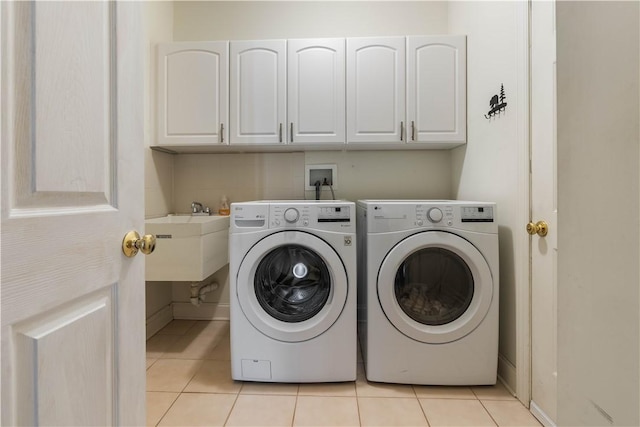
x=292 y=276
x=428 y=291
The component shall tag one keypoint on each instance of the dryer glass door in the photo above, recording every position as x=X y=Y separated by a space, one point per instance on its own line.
x=292 y=283
x=434 y=286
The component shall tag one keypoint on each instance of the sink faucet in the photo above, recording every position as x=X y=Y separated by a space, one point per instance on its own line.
x=196 y=207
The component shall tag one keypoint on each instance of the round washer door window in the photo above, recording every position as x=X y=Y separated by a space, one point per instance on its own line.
x=435 y=287
x=292 y=286
x=292 y=283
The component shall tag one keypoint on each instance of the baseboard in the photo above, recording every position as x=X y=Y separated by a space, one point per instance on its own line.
x=159 y=320
x=507 y=374
x=205 y=311
x=541 y=416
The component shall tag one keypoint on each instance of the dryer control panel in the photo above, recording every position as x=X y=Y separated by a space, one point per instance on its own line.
x=394 y=215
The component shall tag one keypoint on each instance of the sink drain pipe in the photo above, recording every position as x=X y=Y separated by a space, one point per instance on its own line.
x=198 y=292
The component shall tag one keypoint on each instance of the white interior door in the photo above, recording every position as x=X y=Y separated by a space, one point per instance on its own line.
x=543 y=208
x=73 y=331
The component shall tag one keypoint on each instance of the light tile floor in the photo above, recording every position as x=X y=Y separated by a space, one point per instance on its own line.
x=189 y=384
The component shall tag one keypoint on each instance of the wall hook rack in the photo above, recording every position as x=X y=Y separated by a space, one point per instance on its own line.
x=497 y=104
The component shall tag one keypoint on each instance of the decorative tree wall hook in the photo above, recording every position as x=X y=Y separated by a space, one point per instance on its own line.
x=497 y=104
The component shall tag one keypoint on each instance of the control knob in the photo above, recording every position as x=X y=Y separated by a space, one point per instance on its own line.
x=435 y=215
x=291 y=215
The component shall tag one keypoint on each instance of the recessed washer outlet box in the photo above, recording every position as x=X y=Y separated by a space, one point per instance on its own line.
x=326 y=174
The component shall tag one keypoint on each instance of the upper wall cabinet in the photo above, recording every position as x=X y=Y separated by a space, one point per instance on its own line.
x=193 y=93
x=436 y=90
x=258 y=92
x=375 y=90
x=312 y=94
x=316 y=91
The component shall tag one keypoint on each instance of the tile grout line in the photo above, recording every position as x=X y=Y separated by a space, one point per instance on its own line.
x=489 y=413
x=424 y=414
x=167 y=410
x=295 y=408
x=235 y=401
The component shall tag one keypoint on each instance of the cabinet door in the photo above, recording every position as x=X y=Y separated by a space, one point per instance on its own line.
x=193 y=93
x=436 y=89
x=258 y=92
x=316 y=98
x=375 y=90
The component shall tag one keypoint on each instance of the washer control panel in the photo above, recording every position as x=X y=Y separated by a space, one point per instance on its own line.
x=321 y=215
x=291 y=215
x=333 y=215
x=435 y=215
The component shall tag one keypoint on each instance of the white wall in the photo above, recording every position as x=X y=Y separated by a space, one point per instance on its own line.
x=410 y=174
x=598 y=213
x=158 y=166
x=489 y=167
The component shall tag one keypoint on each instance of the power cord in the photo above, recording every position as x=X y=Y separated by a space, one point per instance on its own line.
x=333 y=195
x=318 y=186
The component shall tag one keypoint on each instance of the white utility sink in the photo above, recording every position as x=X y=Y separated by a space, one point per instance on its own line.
x=188 y=248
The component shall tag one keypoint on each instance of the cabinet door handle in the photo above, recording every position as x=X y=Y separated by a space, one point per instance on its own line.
x=401 y=131
x=413 y=131
x=280 y=132
x=222 y=133
x=291 y=132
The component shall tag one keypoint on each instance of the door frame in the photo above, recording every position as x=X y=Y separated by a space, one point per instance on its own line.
x=522 y=244
x=522 y=241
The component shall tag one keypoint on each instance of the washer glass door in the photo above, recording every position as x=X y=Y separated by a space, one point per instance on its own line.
x=292 y=286
x=435 y=287
x=292 y=283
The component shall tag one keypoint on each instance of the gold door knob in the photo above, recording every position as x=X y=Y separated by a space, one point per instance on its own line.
x=132 y=243
x=541 y=228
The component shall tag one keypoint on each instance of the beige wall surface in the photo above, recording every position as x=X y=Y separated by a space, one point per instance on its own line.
x=247 y=20
x=158 y=166
x=489 y=167
x=598 y=88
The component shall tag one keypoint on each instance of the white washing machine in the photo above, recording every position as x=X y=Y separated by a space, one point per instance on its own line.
x=428 y=291
x=292 y=275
